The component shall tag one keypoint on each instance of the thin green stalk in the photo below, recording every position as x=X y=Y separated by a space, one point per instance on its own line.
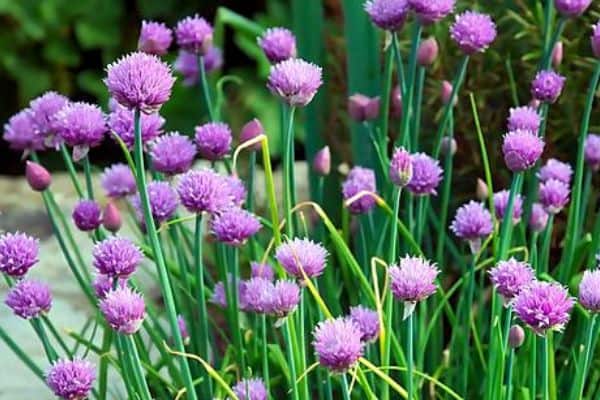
x=56 y=335
x=205 y=89
x=399 y=63
x=71 y=168
x=22 y=355
x=288 y=167
x=126 y=368
x=407 y=100
x=137 y=370
x=41 y=333
x=507 y=221
x=409 y=357
x=446 y=186
x=509 y=374
x=533 y=367
x=584 y=362
x=302 y=340
x=416 y=127
x=103 y=369
x=385 y=97
x=87 y=169
x=291 y=360
x=550 y=45
x=265 y=353
x=545 y=368
x=345 y=390
x=250 y=199
x=466 y=359
x=546 y=241
x=587 y=185
x=235 y=310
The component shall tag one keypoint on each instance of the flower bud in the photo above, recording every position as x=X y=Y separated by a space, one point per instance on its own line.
x=251 y=130
x=37 y=176
x=595 y=39
x=557 y=55
x=322 y=161
x=401 y=167
x=516 y=336
x=481 y=192
x=448 y=146
x=111 y=218
x=447 y=93
x=396 y=102
x=534 y=103
x=363 y=108
x=428 y=52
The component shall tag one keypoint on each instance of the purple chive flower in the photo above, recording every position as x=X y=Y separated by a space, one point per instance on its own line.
x=251 y=389
x=430 y=11
x=589 y=290
x=183 y=330
x=44 y=110
x=140 y=81
x=521 y=150
x=501 y=203
x=234 y=226
x=203 y=190
x=428 y=52
x=155 y=38
x=118 y=181
x=547 y=86
x=367 y=321
x=554 y=169
x=543 y=306
x=525 y=118
x=163 y=202
x=71 y=379
x=300 y=255
x=258 y=295
x=103 y=284
x=592 y=151
x=81 y=124
x=510 y=277
x=237 y=189
x=116 y=257
x=123 y=309
x=37 y=177
x=18 y=253
x=87 y=215
x=538 y=218
x=359 y=179
x=172 y=153
x=401 y=167
x=213 y=140
x=286 y=297
x=278 y=44
x=295 y=81
x=427 y=175
x=473 y=32
x=20 y=132
x=260 y=270
x=219 y=296
x=322 y=162
x=572 y=8
x=413 y=279
x=387 y=14
x=472 y=222
x=121 y=122
x=187 y=64
x=29 y=299
x=251 y=130
x=554 y=195
x=194 y=34
x=363 y=108
x=595 y=40
x=338 y=344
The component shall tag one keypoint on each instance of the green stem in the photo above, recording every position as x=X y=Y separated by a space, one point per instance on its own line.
x=345 y=390
x=533 y=366
x=584 y=362
x=291 y=360
x=71 y=168
x=205 y=89
x=409 y=357
x=41 y=333
x=399 y=63
x=416 y=128
x=203 y=337
x=509 y=374
x=467 y=329
x=550 y=45
x=87 y=169
x=103 y=369
x=265 y=352
x=446 y=187
x=235 y=309
x=407 y=100
x=546 y=241
x=288 y=167
x=22 y=355
x=587 y=185
x=507 y=221
x=138 y=372
x=546 y=368
x=385 y=97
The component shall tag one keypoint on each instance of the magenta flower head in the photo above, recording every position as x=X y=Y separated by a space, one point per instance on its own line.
x=278 y=44
x=592 y=151
x=116 y=257
x=589 y=290
x=572 y=8
x=302 y=255
x=472 y=222
x=71 y=379
x=427 y=175
x=359 y=179
x=29 y=299
x=124 y=310
x=521 y=149
x=510 y=277
x=234 y=226
x=194 y=34
x=473 y=32
x=38 y=177
x=155 y=38
x=44 y=110
x=103 y=284
x=203 y=190
x=430 y=11
x=595 y=39
x=172 y=154
x=367 y=321
x=547 y=86
x=322 y=162
x=20 y=132
x=121 y=122
x=163 y=201
x=260 y=270
x=554 y=195
x=501 y=203
x=237 y=189
x=338 y=344
x=363 y=108
x=401 y=167
x=183 y=330
x=87 y=215
x=250 y=389
x=18 y=253
x=538 y=218
x=81 y=124
x=187 y=64
x=213 y=140
x=413 y=279
x=140 y=81
x=295 y=81
x=251 y=130
x=286 y=296
x=258 y=295
x=118 y=181
x=525 y=118
x=396 y=102
x=554 y=169
x=389 y=15
x=427 y=52
x=543 y=306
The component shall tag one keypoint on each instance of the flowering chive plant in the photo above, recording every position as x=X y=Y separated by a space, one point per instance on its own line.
x=382 y=284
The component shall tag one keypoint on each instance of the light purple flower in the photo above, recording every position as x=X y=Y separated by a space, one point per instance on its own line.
x=338 y=344
x=430 y=11
x=521 y=150
x=250 y=389
x=260 y=270
x=363 y=108
x=234 y=226
x=595 y=40
x=204 y=190
x=121 y=122
x=187 y=64
x=538 y=218
x=589 y=290
x=237 y=189
x=401 y=167
x=501 y=203
x=194 y=34
x=219 y=296
x=18 y=253
x=555 y=169
x=118 y=181
x=116 y=257
x=155 y=38
x=295 y=81
x=172 y=153
x=302 y=255
x=183 y=330
x=278 y=44
x=81 y=124
x=258 y=295
x=71 y=379
x=473 y=32
x=213 y=140
x=544 y=306
x=103 y=284
x=387 y=14
x=163 y=202
x=20 y=132
x=510 y=277
x=367 y=321
x=87 y=215
x=123 y=309
x=547 y=86
x=427 y=175
x=360 y=179
x=29 y=299
x=413 y=279
x=286 y=296
x=554 y=195
x=572 y=8
x=44 y=110
x=592 y=151
x=472 y=222
x=525 y=118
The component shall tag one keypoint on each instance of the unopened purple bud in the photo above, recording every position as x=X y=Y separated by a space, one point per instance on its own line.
x=322 y=162
x=428 y=52
x=278 y=44
x=87 y=215
x=592 y=151
x=194 y=34
x=111 y=217
x=448 y=146
x=572 y=8
x=363 y=108
x=538 y=218
x=29 y=299
x=481 y=190
x=251 y=130
x=516 y=337
x=401 y=167
x=595 y=39
x=446 y=93
x=396 y=102
x=557 y=55
x=547 y=86
x=155 y=38
x=37 y=176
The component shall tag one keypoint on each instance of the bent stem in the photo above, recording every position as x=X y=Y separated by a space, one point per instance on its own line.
x=203 y=315
x=584 y=361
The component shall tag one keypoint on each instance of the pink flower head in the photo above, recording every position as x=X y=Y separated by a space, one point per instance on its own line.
x=510 y=277
x=525 y=118
x=81 y=124
x=360 y=179
x=87 y=215
x=338 y=344
x=234 y=226
x=250 y=389
x=521 y=150
x=595 y=40
x=473 y=32
x=18 y=253
x=71 y=379
x=286 y=296
x=163 y=202
x=401 y=167
x=172 y=153
x=554 y=195
x=592 y=151
x=20 y=132
x=589 y=290
x=572 y=8
x=430 y=11
x=204 y=190
x=472 y=222
x=187 y=64
x=427 y=175
x=29 y=299
x=213 y=140
x=295 y=81
x=367 y=321
x=118 y=181
x=44 y=110
x=124 y=310
x=501 y=203
x=155 y=38
x=120 y=121
x=116 y=257
x=302 y=255
x=278 y=44
x=260 y=270
x=555 y=169
x=413 y=279
x=543 y=306
x=194 y=34
x=547 y=86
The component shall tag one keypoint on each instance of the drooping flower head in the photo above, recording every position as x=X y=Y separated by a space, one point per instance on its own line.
x=20 y=132
x=37 y=176
x=81 y=124
x=194 y=34
x=538 y=218
x=187 y=64
x=116 y=257
x=203 y=190
x=413 y=279
x=521 y=149
x=299 y=255
x=172 y=154
x=359 y=179
x=250 y=389
x=401 y=167
x=592 y=151
x=367 y=321
x=278 y=44
x=140 y=81
x=547 y=86
x=44 y=110
x=589 y=290
x=103 y=284
x=555 y=169
x=118 y=181
x=510 y=277
x=501 y=203
x=525 y=118
x=18 y=253
x=427 y=175
x=387 y=14
x=71 y=379
x=258 y=295
x=87 y=215
x=213 y=140
x=338 y=344
x=121 y=122
x=572 y=8
x=123 y=309
x=363 y=108
x=430 y=11
x=155 y=38
x=473 y=32
x=544 y=306
x=260 y=270
x=29 y=299
x=554 y=195
x=163 y=202
x=286 y=296
x=234 y=226
x=472 y=222
x=595 y=40
x=295 y=81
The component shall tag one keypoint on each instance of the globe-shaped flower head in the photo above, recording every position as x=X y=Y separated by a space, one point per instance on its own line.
x=592 y=151
x=194 y=34
x=538 y=218
x=295 y=81
x=155 y=38
x=543 y=306
x=103 y=284
x=367 y=321
x=521 y=149
x=473 y=32
x=430 y=11
x=525 y=118
x=18 y=253
x=44 y=110
x=87 y=215
x=510 y=277
x=250 y=389
x=595 y=40
x=237 y=189
x=140 y=81
x=501 y=199
x=116 y=257
x=20 y=132
x=234 y=226
x=589 y=290
x=472 y=222
x=427 y=175
x=387 y=14
x=554 y=195
x=260 y=270
x=338 y=344
x=359 y=180
x=286 y=296
x=401 y=167
x=547 y=86
x=121 y=122
x=413 y=279
x=302 y=255
x=203 y=190
x=187 y=64
x=163 y=202
x=118 y=181
x=258 y=295
x=555 y=169
x=213 y=140
x=71 y=379
x=172 y=154
x=123 y=309
x=572 y=8
x=29 y=299
x=278 y=44
x=81 y=124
